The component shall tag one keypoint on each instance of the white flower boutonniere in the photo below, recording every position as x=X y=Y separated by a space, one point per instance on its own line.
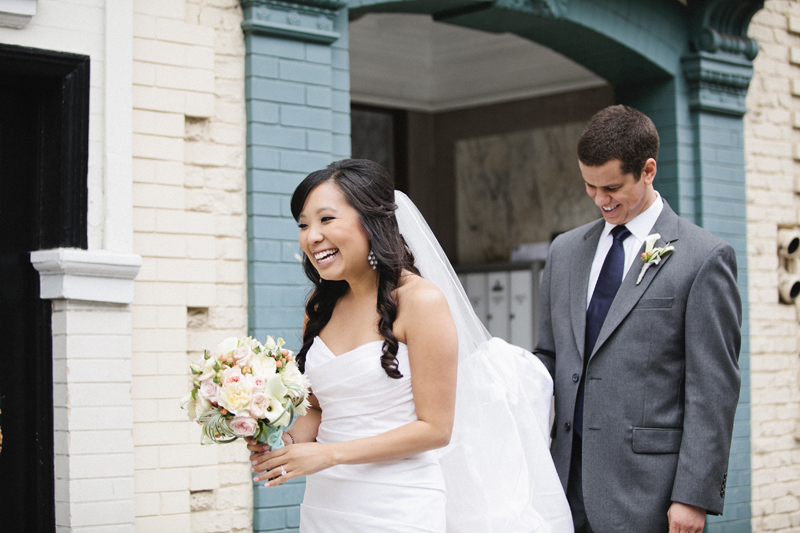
x=651 y=254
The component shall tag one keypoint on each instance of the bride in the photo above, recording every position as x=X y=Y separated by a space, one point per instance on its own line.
x=391 y=443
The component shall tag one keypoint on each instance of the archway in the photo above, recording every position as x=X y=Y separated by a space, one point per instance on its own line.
x=686 y=66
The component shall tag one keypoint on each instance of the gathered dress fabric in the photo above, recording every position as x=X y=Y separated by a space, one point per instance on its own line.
x=359 y=400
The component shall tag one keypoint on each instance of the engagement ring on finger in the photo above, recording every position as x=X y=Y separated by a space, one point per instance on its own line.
x=283 y=471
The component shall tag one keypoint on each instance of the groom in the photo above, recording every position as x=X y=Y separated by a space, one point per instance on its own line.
x=643 y=353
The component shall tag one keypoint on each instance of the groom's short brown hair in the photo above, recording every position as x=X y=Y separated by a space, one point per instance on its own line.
x=619 y=132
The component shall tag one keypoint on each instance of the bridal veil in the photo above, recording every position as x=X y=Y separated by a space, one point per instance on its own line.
x=498 y=471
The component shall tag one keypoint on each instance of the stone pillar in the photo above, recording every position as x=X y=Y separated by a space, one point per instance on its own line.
x=298 y=120
x=717 y=72
x=92 y=406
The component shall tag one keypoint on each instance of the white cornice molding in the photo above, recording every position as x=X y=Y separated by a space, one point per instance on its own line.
x=476 y=101
x=16 y=13
x=96 y=276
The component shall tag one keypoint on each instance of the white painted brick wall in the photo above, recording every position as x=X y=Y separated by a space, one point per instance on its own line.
x=93 y=416
x=190 y=227
x=772 y=141
x=93 y=413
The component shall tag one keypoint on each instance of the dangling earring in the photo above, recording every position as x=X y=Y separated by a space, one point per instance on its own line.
x=372 y=260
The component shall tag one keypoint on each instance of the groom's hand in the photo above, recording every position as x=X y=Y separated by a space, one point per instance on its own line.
x=686 y=518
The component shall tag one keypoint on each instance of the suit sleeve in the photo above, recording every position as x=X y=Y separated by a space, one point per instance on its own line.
x=545 y=346
x=712 y=379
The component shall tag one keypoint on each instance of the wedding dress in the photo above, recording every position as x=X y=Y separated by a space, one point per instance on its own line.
x=359 y=400
x=495 y=476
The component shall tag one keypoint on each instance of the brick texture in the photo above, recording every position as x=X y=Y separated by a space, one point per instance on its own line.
x=772 y=138
x=298 y=119
x=190 y=228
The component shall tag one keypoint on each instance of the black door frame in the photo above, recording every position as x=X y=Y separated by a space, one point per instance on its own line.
x=64 y=142
x=60 y=84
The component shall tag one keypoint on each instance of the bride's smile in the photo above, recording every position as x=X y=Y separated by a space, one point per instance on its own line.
x=331 y=235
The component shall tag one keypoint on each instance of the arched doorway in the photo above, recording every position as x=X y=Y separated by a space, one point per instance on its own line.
x=686 y=66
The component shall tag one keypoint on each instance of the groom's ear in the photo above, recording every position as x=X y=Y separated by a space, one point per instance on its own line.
x=649 y=171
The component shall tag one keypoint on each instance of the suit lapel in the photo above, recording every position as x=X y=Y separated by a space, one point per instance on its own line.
x=629 y=292
x=579 y=283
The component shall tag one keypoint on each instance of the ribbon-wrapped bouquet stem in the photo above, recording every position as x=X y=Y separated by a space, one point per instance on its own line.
x=242 y=388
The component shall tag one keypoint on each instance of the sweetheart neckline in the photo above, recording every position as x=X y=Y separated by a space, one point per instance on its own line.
x=354 y=349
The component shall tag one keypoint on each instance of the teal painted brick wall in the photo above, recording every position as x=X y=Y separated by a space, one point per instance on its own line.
x=721 y=208
x=298 y=107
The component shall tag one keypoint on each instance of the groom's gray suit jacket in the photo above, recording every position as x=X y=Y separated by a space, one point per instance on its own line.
x=662 y=381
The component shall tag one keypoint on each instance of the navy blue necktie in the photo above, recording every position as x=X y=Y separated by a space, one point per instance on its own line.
x=608 y=283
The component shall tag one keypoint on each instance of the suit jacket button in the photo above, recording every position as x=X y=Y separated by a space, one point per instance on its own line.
x=575 y=377
x=567 y=426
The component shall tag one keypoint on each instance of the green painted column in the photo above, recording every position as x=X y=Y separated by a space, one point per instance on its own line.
x=717 y=72
x=297 y=85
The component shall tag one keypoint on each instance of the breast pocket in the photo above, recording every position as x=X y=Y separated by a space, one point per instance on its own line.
x=657 y=440
x=654 y=303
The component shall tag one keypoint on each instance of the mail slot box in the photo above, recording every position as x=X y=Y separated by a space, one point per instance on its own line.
x=505 y=296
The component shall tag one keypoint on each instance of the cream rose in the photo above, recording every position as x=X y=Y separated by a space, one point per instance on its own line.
x=262 y=365
x=235 y=397
x=292 y=375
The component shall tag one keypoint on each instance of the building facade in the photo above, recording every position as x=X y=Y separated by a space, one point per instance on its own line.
x=191 y=121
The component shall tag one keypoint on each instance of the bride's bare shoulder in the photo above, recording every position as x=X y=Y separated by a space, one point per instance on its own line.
x=414 y=291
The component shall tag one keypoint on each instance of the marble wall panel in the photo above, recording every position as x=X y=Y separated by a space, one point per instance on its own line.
x=518 y=187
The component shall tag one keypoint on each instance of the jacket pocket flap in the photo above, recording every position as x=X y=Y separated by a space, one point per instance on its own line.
x=657 y=440
x=655 y=303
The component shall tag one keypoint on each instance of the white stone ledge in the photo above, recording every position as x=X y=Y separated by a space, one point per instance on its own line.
x=16 y=13
x=95 y=276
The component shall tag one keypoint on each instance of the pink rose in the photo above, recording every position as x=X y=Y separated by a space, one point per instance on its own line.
x=244 y=426
x=242 y=355
x=209 y=390
x=232 y=375
x=259 y=405
x=259 y=384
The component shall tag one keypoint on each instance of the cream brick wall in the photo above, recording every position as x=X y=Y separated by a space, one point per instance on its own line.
x=190 y=228
x=773 y=179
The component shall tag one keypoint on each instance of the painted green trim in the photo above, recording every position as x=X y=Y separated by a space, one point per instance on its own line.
x=311 y=22
x=286 y=31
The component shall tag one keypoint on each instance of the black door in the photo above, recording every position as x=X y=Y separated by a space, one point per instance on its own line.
x=26 y=390
x=44 y=100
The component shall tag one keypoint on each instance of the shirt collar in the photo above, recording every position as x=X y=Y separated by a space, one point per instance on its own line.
x=641 y=225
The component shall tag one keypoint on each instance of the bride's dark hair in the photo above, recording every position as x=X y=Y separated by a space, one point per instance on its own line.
x=368 y=188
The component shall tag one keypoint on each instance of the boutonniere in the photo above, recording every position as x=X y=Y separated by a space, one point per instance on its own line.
x=652 y=255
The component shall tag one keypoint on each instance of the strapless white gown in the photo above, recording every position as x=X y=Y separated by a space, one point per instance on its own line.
x=474 y=485
x=359 y=400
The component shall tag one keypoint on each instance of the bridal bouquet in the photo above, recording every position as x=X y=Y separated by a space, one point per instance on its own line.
x=242 y=388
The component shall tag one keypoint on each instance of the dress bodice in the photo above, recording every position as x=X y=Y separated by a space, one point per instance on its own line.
x=356 y=396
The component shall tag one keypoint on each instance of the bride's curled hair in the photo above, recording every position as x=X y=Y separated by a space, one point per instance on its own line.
x=369 y=189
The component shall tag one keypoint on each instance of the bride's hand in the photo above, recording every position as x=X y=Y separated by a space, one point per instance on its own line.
x=297 y=460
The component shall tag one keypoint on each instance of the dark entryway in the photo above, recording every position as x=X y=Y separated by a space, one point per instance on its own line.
x=43 y=166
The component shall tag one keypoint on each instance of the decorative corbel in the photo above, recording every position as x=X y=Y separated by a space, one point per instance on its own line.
x=719 y=67
x=301 y=20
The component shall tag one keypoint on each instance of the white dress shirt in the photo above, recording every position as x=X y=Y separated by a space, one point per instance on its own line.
x=640 y=227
